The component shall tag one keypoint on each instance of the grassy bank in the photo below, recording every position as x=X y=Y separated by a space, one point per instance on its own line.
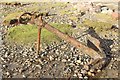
x=97 y=25
x=27 y=34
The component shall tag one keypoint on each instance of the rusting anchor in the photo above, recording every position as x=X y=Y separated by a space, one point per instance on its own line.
x=69 y=39
x=31 y=19
x=99 y=58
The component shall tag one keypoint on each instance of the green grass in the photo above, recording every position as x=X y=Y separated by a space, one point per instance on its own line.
x=27 y=34
x=73 y=18
x=62 y=12
x=105 y=18
x=11 y=16
x=99 y=26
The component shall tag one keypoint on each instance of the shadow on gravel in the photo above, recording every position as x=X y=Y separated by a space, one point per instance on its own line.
x=104 y=45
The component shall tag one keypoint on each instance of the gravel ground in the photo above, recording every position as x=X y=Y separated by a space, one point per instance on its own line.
x=54 y=61
x=57 y=60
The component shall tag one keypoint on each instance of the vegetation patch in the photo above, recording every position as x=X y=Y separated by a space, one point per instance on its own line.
x=11 y=16
x=27 y=34
x=105 y=18
x=98 y=26
x=73 y=18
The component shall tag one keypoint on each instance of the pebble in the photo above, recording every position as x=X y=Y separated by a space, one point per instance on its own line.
x=64 y=60
x=89 y=73
x=2 y=59
x=86 y=67
x=91 y=70
x=75 y=75
x=83 y=71
x=7 y=73
x=39 y=66
x=4 y=66
x=69 y=60
x=63 y=46
x=78 y=61
x=85 y=77
x=14 y=74
x=80 y=75
x=98 y=70
x=93 y=74
x=76 y=71
x=82 y=63
x=72 y=64
x=6 y=55
x=31 y=49
x=23 y=76
x=51 y=58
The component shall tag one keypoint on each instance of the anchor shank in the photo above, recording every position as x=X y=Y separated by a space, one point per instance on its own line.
x=74 y=42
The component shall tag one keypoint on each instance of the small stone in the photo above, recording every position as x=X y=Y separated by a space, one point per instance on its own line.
x=7 y=73
x=111 y=46
x=82 y=63
x=78 y=61
x=23 y=76
x=69 y=60
x=15 y=74
x=76 y=71
x=2 y=59
x=115 y=58
x=86 y=67
x=56 y=59
x=73 y=48
x=6 y=55
x=64 y=60
x=71 y=64
x=89 y=73
x=91 y=70
x=4 y=66
x=36 y=56
x=83 y=71
x=31 y=49
x=75 y=75
x=51 y=58
x=93 y=74
x=85 y=77
x=38 y=66
x=63 y=46
x=80 y=75
x=98 y=70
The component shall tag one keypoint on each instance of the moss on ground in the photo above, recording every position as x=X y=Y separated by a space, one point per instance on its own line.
x=98 y=26
x=105 y=18
x=11 y=16
x=73 y=18
x=27 y=34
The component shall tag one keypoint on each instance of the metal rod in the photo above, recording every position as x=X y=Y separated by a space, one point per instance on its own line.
x=39 y=34
x=38 y=40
